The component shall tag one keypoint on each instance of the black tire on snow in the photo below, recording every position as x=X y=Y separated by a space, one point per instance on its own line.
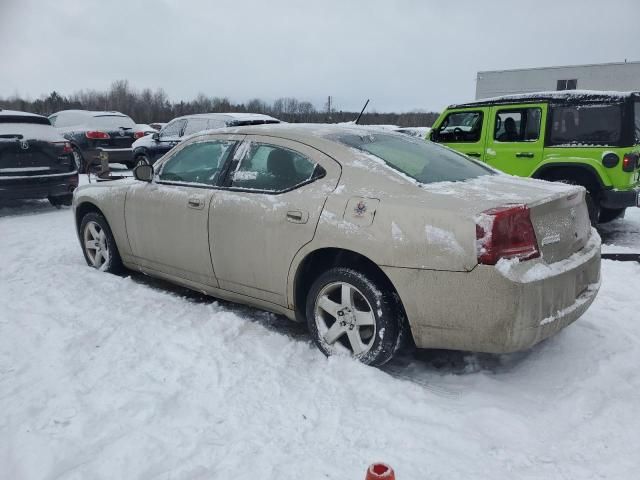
x=610 y=214
x=114 y=264
x=389 y=314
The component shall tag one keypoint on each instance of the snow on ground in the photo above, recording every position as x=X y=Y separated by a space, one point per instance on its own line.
x=107 y=377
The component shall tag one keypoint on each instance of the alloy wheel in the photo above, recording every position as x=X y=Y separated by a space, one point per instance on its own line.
x=95 y=244
x=344 y=318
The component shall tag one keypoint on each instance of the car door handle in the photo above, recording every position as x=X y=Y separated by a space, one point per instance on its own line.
x=524 y=154
x=297 y=216
x=473 y=154
x=195 y=202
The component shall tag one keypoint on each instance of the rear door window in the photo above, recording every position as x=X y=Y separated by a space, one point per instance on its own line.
x=273 y=169
x=195 y=125
x=517 y=125
x=586 y=125
x=198 y=163
x=460 y=127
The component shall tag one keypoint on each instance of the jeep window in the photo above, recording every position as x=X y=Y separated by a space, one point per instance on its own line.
x=517 y=125
x=636 y=128
x=596 y=124
x=112 y=121
x=459 y=127
x=423 y=161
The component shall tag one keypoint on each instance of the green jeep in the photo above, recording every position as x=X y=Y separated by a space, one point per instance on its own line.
x=586 y=138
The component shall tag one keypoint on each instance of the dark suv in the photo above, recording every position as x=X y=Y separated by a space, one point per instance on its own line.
x=35 y=160
x=150 y=148
x=96 y=135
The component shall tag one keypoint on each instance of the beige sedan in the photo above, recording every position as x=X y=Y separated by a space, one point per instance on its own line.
x=367 y=236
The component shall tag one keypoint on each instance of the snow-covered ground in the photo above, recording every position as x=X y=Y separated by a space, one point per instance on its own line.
x=107 y=377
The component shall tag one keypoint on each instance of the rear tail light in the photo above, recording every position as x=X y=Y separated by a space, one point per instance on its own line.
x=630 y=162
x=95 y=135
x=66 y=147
x=139 y=134
x=505 y=232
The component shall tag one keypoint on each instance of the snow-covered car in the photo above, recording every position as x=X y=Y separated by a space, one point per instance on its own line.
x=363 y=234
x=94 y=134
x=157 y=125
x=150 y=148
x=35 y=160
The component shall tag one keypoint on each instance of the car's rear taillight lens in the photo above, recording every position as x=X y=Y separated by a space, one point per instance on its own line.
x=138 y=134
x=66 y=147
x=95 y=135
x=630 y=162
x=505 y=232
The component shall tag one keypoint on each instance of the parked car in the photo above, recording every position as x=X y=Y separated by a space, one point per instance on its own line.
x=585 y=138
x=149 y=149
x=144 y=129
x=358 y=232
x=35 y=160
x=157 y=125
x=96 y=134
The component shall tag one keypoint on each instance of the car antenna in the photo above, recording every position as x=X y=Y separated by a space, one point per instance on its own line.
x=361 y=112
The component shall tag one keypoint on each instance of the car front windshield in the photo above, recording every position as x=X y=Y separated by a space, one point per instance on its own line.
x=423 y=161
x=112 y=121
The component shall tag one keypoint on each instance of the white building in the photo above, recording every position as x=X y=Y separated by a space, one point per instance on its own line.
x=621 y=76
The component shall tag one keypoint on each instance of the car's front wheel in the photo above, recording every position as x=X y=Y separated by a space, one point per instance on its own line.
x=98 y=245
x=610 y=214
x=351 y=313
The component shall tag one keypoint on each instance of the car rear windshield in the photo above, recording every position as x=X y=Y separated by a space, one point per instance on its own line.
x=24 y=119
x=112 y=121
x=596 y=124
x=423 y=161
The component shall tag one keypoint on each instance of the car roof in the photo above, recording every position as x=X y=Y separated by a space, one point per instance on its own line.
x=18 y=113
x=93 y=113
x=562 y=96
x=230 y=116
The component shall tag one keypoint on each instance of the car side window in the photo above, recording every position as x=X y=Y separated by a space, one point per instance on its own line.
x=274 y=169
x=173 y=129
x=517 y=125
x=199 y=163
x=195 y=125
x=459 y=127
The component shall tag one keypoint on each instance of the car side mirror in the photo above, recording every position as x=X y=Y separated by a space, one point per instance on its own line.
x=143 y=172
x=155 y=136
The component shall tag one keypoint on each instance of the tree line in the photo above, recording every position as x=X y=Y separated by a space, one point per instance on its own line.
x=147 y=106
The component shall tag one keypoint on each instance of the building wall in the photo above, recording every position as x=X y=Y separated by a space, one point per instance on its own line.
x=606 y=76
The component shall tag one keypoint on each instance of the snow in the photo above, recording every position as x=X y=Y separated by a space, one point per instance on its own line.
x=31 y=131
x=443 y=238
x=105 y=377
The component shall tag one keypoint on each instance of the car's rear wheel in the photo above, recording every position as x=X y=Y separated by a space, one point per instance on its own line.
x=98 y=245
x=81 y=164
x=142 y=160
x=610 y=214
x=350 y=313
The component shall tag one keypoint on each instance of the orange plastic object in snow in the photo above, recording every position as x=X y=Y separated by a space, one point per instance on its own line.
x=380 y=471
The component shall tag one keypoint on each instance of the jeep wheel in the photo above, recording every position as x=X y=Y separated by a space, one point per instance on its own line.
x=610 y=214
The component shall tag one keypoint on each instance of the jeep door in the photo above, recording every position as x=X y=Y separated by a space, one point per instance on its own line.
x=267 y=211
x=464 y=131
x=515 y=141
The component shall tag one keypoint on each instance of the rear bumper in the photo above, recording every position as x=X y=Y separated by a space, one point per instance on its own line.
x=114 y=155
x=59 y=186
x=620 y=198
x=486 y=311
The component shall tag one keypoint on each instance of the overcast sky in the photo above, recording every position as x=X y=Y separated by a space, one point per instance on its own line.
x=403 y=54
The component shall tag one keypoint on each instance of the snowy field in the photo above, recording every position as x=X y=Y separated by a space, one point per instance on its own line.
x=108 y=377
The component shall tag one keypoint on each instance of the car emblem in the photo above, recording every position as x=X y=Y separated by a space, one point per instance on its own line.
x=24 y=144
x=360 y=209
x=122 y=132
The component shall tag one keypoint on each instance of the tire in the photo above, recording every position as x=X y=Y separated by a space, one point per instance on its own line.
x=95 y=229
x=367 y=325
x=610 y=214
x=141 y=160
x=80 y=161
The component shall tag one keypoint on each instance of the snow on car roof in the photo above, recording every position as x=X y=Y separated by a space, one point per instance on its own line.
x=561 y=95
x=94 y=113
x=18 y=113
x=232 y=115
